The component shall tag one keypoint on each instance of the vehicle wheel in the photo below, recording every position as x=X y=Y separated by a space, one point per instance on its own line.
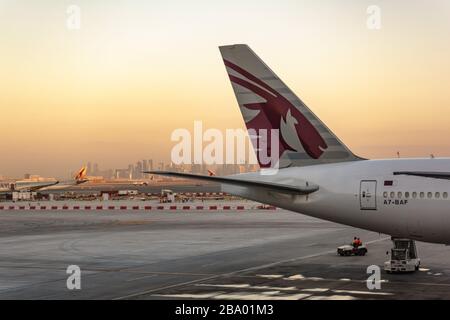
x=417 y=268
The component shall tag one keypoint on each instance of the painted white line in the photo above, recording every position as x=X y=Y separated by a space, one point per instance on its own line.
x=247 y=286
x=364 y=292
x=322 y=290
x=333 y=297
x=270 y=276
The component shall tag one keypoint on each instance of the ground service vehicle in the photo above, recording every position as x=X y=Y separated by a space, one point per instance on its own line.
x=349 y=250
x=403 y=257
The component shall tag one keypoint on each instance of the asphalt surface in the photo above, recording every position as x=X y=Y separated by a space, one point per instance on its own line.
x=201 y=255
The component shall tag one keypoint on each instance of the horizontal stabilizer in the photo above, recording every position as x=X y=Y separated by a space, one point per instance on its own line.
x=435 y=175
x=301 y=190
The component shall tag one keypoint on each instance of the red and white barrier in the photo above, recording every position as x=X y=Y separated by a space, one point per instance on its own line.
x=99 y=207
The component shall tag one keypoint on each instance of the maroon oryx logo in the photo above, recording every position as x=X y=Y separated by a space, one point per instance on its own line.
x=276 y=110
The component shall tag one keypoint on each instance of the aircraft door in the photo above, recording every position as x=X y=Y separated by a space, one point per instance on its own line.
x=368 y=195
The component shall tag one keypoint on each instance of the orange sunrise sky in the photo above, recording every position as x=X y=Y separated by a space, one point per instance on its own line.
x=113 y=91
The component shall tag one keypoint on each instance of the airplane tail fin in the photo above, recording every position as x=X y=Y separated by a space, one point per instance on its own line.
x=81 y=174
x=266 y=103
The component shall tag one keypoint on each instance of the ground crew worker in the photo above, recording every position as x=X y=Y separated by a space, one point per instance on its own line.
x=359 y=242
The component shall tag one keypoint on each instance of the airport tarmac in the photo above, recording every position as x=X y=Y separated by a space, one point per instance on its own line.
x=176 y=186
x=200 y=255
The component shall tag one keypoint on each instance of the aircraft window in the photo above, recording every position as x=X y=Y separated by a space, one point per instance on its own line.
x=430 y=195
x=385 y=194
x=445 y=195
x=406 y=195
x=422 y=195
x=437 y=195
x=399 y=194
x=414 y=194
x=392 y=194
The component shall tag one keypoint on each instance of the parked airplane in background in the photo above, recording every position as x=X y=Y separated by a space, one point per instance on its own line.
x=319 y=176
x=28 y=186
x=79 y=178
x=25 y=186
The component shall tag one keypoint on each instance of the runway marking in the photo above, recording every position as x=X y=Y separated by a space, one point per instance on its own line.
x=270 y=276
x=310 y=290
x=271 y=295
x=316 y=290
x=333 y=297
x=364 y=292
x=247 y=286
x=268 y=265
x=253 y=296
x=295 y=277
x=191 y=296
x=234 y=286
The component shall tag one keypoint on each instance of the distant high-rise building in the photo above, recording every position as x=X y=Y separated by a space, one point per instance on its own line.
x=144 y=165
x=130 y=171
x=139 y=170
x=89 y=168
x=150 y=165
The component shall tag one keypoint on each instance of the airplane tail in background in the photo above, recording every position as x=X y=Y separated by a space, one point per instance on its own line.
x=81 y=175
x=266 y=103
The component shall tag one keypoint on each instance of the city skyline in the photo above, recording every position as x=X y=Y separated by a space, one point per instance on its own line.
x=134 y=171
x=115 y=89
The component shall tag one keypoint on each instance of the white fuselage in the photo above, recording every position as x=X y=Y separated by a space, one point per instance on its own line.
x=366 y=194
